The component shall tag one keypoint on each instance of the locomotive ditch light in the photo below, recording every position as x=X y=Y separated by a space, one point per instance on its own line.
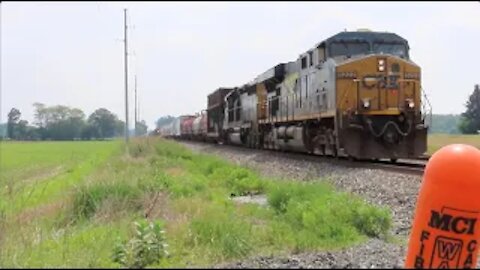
x=410 y=103
x=366 y=103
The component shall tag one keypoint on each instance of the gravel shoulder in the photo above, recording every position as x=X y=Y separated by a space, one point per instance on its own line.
x=396 y=191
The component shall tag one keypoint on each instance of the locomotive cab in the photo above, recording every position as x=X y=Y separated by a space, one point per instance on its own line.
x=378 y=96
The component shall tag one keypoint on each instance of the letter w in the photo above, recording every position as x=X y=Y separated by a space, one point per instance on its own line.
x=448 y=250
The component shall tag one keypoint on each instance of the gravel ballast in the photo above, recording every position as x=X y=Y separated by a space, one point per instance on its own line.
x=394 y=190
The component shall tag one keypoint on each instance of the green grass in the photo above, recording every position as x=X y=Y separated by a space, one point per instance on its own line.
x=34 y=173
x=73 y=219
x=437 y=141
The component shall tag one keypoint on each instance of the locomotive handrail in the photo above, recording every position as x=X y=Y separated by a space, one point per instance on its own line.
x=424 y=107
x=404 y=134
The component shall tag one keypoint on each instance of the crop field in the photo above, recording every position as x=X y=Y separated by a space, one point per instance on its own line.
x=437 y=141
x=78 y=204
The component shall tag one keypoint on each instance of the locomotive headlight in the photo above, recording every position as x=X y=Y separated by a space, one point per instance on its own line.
x=381 y=65
x=366 y=103
x=410 y=103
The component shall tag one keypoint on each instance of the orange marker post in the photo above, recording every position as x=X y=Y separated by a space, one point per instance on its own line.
x=446 y=228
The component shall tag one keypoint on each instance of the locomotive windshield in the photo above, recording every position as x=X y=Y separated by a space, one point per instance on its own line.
x=349 y=48
x=397 y=49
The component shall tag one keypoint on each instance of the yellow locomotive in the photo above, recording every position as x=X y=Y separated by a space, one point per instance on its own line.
x=356 y=94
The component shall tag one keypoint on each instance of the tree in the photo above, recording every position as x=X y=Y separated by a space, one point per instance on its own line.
x=58 y=122
x=3 y=131
x=164 y=120
x=62 y=123
x=470 y=122
x=88 y=131
x=142 y=128
x=13 y=118
x=104 y=122
x=21 y=130
x=120 y=128
x=40 y=114
x=445 y=123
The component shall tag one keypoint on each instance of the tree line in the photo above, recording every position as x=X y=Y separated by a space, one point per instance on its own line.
x=65 y=123
x=470 y=121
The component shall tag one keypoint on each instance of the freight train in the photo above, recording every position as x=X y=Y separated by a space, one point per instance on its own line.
x=356 y=94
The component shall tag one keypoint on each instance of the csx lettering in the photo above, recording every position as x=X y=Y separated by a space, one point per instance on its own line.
x=446 y=222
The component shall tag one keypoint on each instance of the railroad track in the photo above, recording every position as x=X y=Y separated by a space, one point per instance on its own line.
x=406 y=166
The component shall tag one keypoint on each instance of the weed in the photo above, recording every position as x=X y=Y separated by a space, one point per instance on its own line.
x=223 y=233
x=87 y=199
x=319 y=216
x=146 y=247
x=204 y=225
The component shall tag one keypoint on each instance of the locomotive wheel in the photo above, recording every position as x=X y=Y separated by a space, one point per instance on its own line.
x=322 y=149
x=334 y=150
x=250 y=141
x=352 y=158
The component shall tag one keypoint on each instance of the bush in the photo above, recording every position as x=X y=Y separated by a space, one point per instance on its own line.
x=320 y=216
x=88 y=198
x=153 y=183
x=242 y=182
x=148 y=246
x=280 y=193
x=173 y=150
x=371 y=221
x=139 y=148
x=224 y=233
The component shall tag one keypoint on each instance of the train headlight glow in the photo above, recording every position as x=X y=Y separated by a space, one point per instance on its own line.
x=410 y=103
x=366 y=103
x=381 y=65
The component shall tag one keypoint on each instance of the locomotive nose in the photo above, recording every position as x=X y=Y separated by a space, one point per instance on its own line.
x=391 y=135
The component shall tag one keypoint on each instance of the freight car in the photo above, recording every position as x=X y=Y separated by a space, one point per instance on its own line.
x=186 y=126
x=200 y=127
x=355 y=94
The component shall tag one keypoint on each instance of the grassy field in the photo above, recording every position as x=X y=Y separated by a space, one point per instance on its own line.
x=70 y=204
x=436 y=141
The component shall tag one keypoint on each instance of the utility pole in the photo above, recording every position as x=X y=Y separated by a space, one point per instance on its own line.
x=126 y=79
x=136 y=119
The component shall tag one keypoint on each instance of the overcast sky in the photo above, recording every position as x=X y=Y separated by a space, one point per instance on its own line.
x=72 y=53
